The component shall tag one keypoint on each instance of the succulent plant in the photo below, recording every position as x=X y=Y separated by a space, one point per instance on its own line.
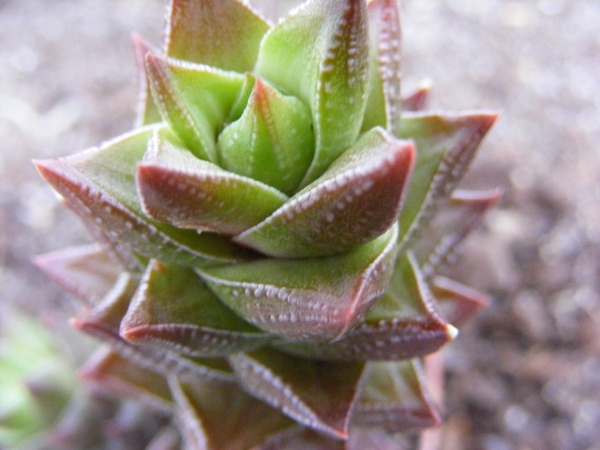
x=271 y=233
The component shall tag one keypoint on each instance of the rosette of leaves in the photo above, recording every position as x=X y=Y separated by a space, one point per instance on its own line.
x=271 y=232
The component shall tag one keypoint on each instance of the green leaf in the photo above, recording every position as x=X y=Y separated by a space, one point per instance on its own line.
x=273 y=140
x=356 y=200
x=394 y=397
x=177 y=188
x=318 y=394
x=146 y=112
x=217 y=415
x=99 y=185
x=384 y=103
x=437 y=244
x=317 y=299
x=446 y=145
x=86 y=271
x=225 y=34
x=404 y=323
x=330 y=75
x=194 y=100
x=103 y=322
x=173 y=309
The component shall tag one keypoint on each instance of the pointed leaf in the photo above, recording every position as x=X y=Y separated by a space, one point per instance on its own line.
x=329 y=76
x=416 y=100
x=356 y=200
x=438 y=243
x=318 y=394
x=103 y=322
x=273 y=140
x=311 y=299
x=86 y=271
x=146 y=112
x=174 y=309
x=119 y=376
x=218 y=415
x=446 y=145
x=457 y=302
x=394 y=397
x=99 y=185
x=404 y=323
x=224 y=34
x=384 y=104
x=178 y=188
x=193 y=99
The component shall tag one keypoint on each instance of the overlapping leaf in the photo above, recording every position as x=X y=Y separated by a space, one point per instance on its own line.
x=218 y=415
x=357 y=199
x=272 y=141
x=225 y=34
x=319 y=394
x=313 y=299
x=177 y=188
x=173 y=309
x=404 y=323
x=193 y=99
x=446 y=145
x=395 y=398
x=330 y=75
x=103 y=322
x=99 y=185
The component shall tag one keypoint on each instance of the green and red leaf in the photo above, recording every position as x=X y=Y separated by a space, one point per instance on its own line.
x=330 y=76
x=103 y=322
x=193 y=99
x=404 y=323
x=394 y=397
x=357 y=199
x=446 y=145
x=318 y=394
x=173 y=309
x=225 y=34
x=218 y=415
x=178 y=188
x=272 y=142
x=99 y=185
x=314 y=299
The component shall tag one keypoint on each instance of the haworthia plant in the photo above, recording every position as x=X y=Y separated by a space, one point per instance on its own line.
x=271 y=232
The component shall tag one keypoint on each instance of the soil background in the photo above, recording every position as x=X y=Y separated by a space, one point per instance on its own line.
x=525 y=373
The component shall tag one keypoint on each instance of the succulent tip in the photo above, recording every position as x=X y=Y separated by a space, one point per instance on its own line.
x=451 y=331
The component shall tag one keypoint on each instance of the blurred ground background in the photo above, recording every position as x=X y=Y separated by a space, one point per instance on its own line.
x=525 y=374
